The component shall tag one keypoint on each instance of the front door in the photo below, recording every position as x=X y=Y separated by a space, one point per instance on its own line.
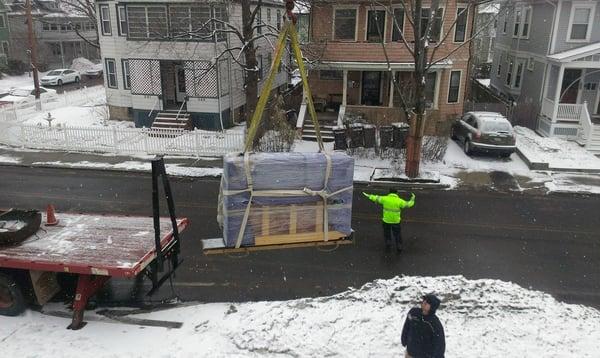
x=180 y=84
x=371 y=88
x=569 y=92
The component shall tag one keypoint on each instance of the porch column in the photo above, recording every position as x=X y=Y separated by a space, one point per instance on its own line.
x=345 y=89
x=561 y=74
x=391 y=103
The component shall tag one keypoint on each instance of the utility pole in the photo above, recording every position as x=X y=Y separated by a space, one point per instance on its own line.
x=32 y=50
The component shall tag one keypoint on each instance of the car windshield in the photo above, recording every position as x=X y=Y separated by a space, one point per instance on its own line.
x=54 y=73
x=495 y=126
x=20 y=92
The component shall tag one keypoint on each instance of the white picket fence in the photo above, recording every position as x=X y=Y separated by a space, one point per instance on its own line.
x=30 y=109
x=121 y=140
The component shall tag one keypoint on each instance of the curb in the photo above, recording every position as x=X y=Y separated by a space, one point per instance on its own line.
x=546 y=166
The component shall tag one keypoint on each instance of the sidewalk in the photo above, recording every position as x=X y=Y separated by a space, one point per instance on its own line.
x=178 y=166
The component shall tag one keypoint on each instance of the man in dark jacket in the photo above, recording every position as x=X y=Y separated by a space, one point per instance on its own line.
x=423 y=334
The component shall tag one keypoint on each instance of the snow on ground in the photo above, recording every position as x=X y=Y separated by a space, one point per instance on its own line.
x=88 y=115
x=4 y=159
x=484 y=82
x=7 y=82
x=573 y=183
x=556 y=152
x=172 y=169
x=482 y=318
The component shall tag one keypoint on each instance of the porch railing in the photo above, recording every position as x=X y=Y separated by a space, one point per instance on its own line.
x=569 y=112
x=562 y=112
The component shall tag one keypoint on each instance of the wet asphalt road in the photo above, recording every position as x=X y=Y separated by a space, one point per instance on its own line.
x=545 y=242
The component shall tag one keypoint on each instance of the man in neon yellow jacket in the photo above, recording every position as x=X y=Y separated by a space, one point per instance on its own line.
x=392 y=209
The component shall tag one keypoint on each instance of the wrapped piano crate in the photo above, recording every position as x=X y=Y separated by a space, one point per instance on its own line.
x=281 y=198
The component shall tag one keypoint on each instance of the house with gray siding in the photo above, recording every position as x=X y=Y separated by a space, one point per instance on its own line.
x=61 y=34
x=547 y=58
x=169 y=56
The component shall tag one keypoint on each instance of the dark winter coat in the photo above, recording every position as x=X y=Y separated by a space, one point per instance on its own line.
x=423 y=336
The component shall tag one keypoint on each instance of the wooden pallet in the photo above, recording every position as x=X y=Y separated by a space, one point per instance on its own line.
x=217 y=246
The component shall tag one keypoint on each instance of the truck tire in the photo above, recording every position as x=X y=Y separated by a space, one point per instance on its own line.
x=12 y=302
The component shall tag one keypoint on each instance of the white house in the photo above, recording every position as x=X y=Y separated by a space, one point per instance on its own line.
x=159 y=56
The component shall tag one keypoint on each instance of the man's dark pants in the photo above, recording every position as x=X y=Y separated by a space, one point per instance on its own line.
x=394 y=230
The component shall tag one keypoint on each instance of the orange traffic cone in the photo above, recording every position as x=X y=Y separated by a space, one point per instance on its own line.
x=51 y=220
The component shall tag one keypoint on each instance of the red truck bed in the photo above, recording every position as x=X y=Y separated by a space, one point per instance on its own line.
x=104 y=245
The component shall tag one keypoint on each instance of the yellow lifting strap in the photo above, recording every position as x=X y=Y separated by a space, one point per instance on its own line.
x=288 y=30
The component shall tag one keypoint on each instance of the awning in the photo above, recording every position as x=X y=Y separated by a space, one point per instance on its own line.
x=376 y=66
x=587 y=53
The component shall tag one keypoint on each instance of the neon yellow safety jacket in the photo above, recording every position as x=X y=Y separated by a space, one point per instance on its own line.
x=392 y=206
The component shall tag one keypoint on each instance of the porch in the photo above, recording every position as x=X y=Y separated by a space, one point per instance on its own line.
x=366 y=90
x=570 y=106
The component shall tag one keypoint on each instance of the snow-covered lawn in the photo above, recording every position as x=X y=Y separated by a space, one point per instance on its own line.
x=7 y=82
x=172 y=169
x=482 y=318
x=88 y=115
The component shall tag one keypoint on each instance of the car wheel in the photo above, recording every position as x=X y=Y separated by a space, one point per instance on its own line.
x=467 y=147
x=505 y=155
x=60 y=82
x=12 y=302
x=453 y=134
x=77 y=80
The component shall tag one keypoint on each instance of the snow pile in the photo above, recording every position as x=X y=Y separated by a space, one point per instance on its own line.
x=172 y=169
x=554 y=152
x=83 y=65
x=481 y=318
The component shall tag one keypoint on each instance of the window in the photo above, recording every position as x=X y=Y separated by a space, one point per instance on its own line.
x=259 y=21
x=519 y=74
x=345 y=25
x=517 y=22
x=580 y=22
x=189 y=21
x=105 y=20
x=220 y=13
x=122 y=20
x=398 y=24
x=460 y=31
x=509 y=71
x=111 y=73
x=436 y=27
x=505 y=26
x=531 y=64
x=269 y=62
x=2 y=21
x=375 y=25
x=526 y=22
x=64 y=27
x=259 y=61
x=126 y=74
x=430 y=83
x=5 y=48
x=330 y=75
x=278 y=19
x=55 y=48
x=454 y=87
x=269 y=16
x=499 y=69
x=147 y=22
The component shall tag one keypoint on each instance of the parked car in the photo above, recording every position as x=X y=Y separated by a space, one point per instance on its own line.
x=25 y=95
x=94 y=72
x=60 y=77
x=485 y=132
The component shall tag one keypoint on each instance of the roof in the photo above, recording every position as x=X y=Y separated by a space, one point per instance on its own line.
x=570 y=55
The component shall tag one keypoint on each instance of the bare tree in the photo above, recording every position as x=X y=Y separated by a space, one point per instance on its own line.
x=84 y=8
x=426 y=23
